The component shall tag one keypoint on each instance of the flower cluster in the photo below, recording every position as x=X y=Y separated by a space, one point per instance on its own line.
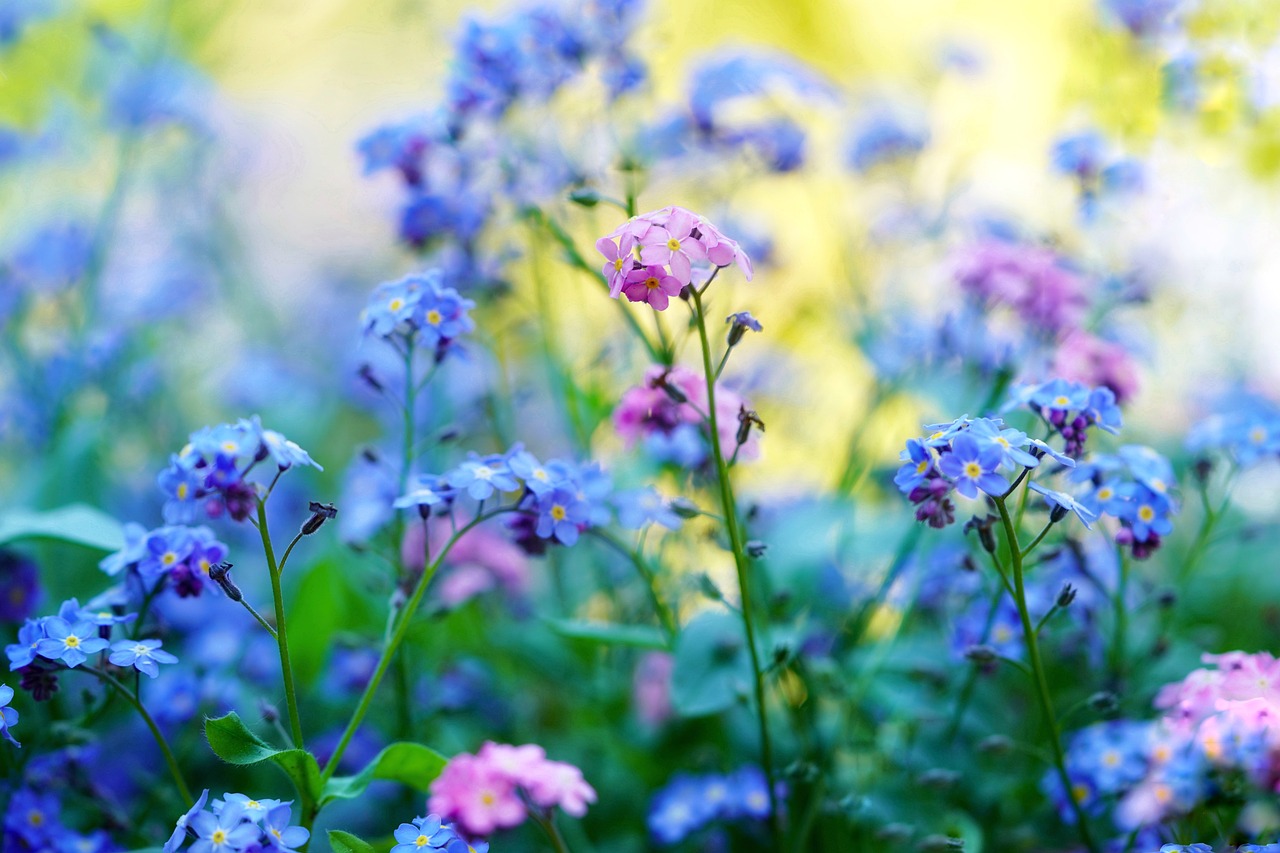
x=966 y=455
x=419 y=309
x=881 y=136
x=495 y=788
x=238 y=824
x=1034 y=281
x=71 y=637
x=688 y=803
x=651 y=257
x=1097 y=171
x=8 y=716
x=1070 y=408
x=430 y=833
x=33 y=821
x=178 y=555
x=556 y=500
x=207 y=477
x=668 y=412
x=1247 y=427
x=1133 y=486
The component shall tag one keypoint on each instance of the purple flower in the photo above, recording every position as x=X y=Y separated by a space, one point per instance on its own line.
x=71 y=644
x=142 y=655
x=560 y=514
x=619 y=261
x=651 y=284
x=973 y=467
x=673 y=244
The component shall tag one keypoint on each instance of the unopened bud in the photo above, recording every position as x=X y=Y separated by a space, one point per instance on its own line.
x=709 y=588
x=221 y=575
x=1167 y=598
x=981 y=654
x=986 y=536
x=366 y=374
x=320 y=513
x=755 y=548
x=995 y=745
x=739 y=324
x=938 y=778
x=1202 y=468
x=747 y=419
x=684 y=508
x=1066 y=595
x=584 y=196
x=673 y=393
x=1104 y=702
x=270 y=713
x=1058 y=513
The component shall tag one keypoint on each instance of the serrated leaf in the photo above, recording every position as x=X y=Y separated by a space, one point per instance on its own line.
x=409 y=763
x=233 y=742
x=638 y=636
x=712 y=668
x=78 y=524
x=345 y=842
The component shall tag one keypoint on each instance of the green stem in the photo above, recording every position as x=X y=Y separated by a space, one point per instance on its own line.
x=739 y=560
x=132 y=699
x=261 y=621
x=397 y=637
x=663 y=612
x=282 y=633
x=1038 y=675
x=1039 y=538
x=971 y=678
x=1120 y=637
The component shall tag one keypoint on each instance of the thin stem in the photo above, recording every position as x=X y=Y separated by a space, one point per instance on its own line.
x=282 y=633
x=1121 y=626
x=287 y=551
x=724 y=359
x=1039 y=538
x=739 y=558
x=256 y=615
x=397 y=637
x=663 y=612
x=548 y=825
x=1038 y=675
x=133 y=700
x=971 y=677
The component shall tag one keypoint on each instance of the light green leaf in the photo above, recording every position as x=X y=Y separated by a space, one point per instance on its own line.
x=77 y=523
x=232 y=741
x=639 y=636
x=345 y=842
x=409 y=763
x=712 y=667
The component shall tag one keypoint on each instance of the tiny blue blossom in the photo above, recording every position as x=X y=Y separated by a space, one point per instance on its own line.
x=70 y=643
x=142 y=655
x=8 y=716
x=481 y=477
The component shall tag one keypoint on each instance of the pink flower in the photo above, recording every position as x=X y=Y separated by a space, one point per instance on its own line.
x=672 y=240
x=651 y=284
x=477 y=795
x=483 y=792
x=1032 y=280
x=651 y=688
x=1082 y=357
x=675 y=245
x=479 y=561
x=618 y=261
x=648 y=408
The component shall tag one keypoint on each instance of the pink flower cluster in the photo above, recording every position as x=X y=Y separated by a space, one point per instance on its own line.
x=1226 y=718
x=1032 y=280
x=1084 y=357
x=651 y=408
x=481 y=560
x=495 y=788
x=650 y=257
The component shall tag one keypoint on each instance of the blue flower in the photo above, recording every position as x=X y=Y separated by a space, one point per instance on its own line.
x=638 y=508
x=280 y=836
x=32 y=818
x=1146 y=512
x=679 y=809
x=919 y=462
x=538 y=478
x=225 y=832
x=285 y=453
x=71 y=644
x=882 y=137
x=23 y=652
x=180 y=828
x=425 y=833
x=748 y=794
x=134 y=550
x=182 y=487
x=561 y=514
x=8 y=716
x=481 y=477
x=990 y=431
x=254 y=810
x=142 y=655
x=973 y=467
x=430 y=490
x=1067 y=503
x=442 y=316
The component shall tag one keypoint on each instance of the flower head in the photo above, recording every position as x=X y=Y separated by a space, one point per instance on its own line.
x=142 y=655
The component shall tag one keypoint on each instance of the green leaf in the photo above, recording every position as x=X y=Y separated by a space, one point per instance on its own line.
x=409 y=763
x=77 y=523
x=232 y=741
x=345 y=842
x=712 y=667
x=639 y=636
x=320 y=608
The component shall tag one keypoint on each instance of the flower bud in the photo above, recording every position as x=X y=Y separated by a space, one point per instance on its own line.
x=684 y=508
x=1066 y=595
x=584 y=196
x=1104 y=702
x=981 y=654
x=938 y=778
x=739 y=324
x=320 y=512
x=221 y=575
x=270 y=713
x=755 y=548
x=366 y=374
x=1058 y=513
x=746 y=419
x=986 y=536
x=995 y=745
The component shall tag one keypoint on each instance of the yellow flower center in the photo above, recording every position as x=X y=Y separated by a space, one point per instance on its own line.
x=420 y=841
x=488 y=798
x=673 y=244
x=1061 y=401
x=1159 y=485
x=540 y=474
x=558 y=512
x=1146 y=513
x=229 y=447
x=72 y=642
x=972 y=470
x=1257 y=435
x=142 y=650
x=434 y=317
x=617 y=264
x=219 y=836
x=652 y=283
x=922 y=467
x=1104 y=494
x=1111 y=758
x=35 y=817
x=182 y=491
x=1080 y=792
x=169 y=558
x=396 y=304
x=483 y=472
x=204 y=566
